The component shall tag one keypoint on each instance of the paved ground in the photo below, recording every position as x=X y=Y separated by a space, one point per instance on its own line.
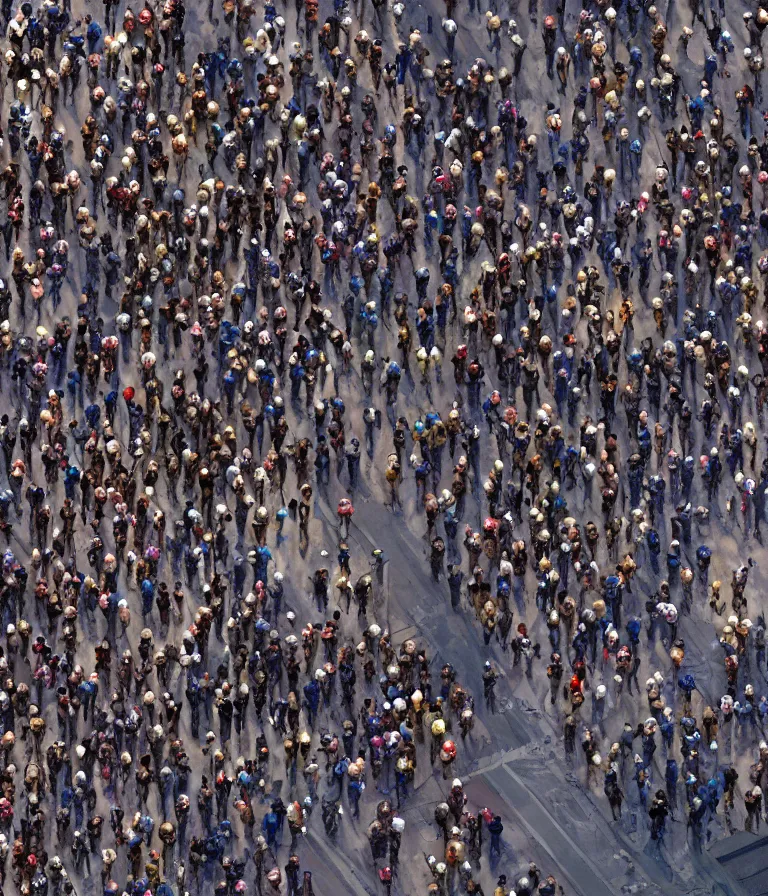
x=513 y=759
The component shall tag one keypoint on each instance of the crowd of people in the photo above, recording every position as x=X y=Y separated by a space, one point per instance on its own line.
x=494 y=279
